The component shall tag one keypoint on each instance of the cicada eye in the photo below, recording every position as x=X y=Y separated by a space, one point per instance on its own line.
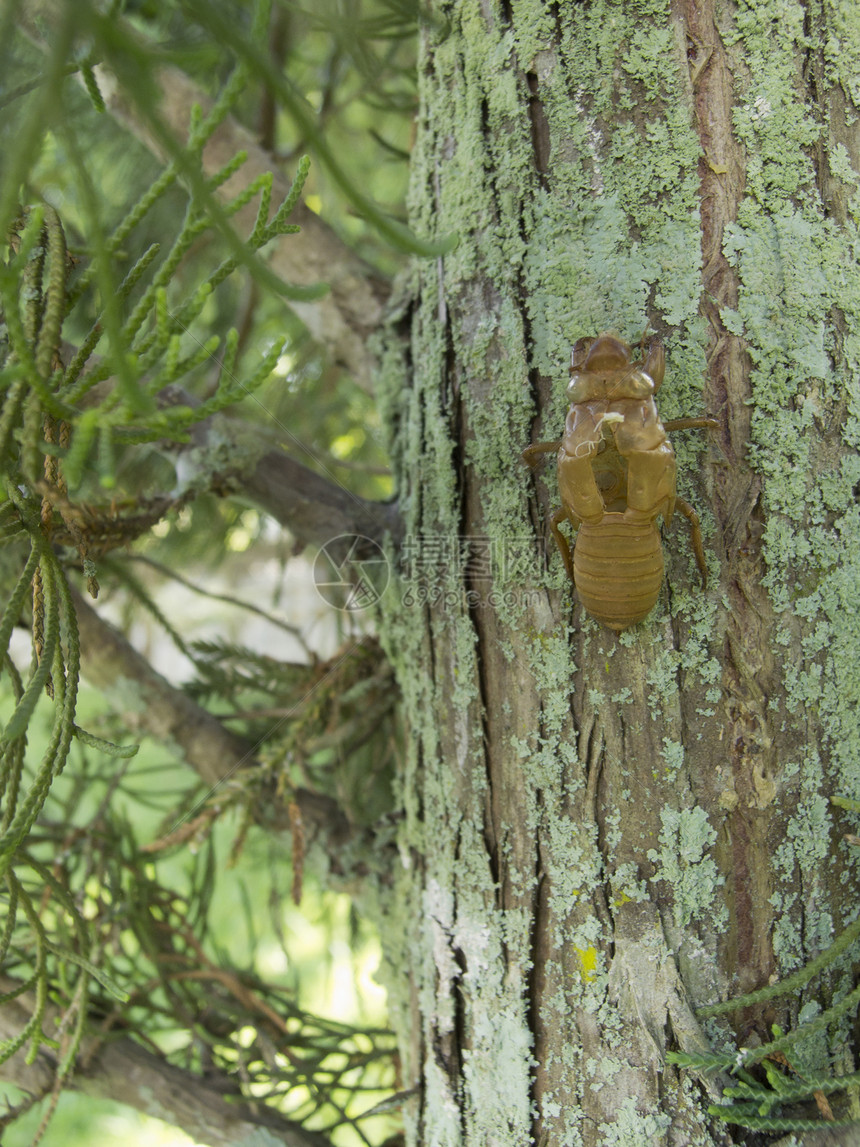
x=579 y=351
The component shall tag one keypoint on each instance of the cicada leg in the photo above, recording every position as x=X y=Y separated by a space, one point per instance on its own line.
x=696 y=537
x=691 y=424
x=531 y=454
x=560 y=515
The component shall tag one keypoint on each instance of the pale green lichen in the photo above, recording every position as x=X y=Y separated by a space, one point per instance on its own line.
x=673 y=754
x=683 y=862
x=627 y=885
x=602 y=1071
x=799 y=290
x=805 y=848
x=632 y=1128
x=443 y=1103
x=791 y=284
x=500 y=1059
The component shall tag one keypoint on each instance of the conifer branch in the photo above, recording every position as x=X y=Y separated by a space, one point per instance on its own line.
x=342 y=320
x=314 y=509
x=149 y=705
x=122 y=1070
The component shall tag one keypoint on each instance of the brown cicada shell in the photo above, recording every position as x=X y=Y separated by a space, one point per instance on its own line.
x=616 y=477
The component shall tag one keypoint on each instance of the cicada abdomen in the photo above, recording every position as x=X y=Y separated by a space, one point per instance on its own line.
x=618 y=569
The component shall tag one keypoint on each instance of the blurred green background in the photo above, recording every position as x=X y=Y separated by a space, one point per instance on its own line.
x=353 y=66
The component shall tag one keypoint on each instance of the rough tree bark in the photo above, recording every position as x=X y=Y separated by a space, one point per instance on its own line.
x=602 y=832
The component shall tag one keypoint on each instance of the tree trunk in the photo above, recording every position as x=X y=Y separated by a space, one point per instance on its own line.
x=602 y=832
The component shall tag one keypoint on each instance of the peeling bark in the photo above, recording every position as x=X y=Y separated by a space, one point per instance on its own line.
x=750 y=677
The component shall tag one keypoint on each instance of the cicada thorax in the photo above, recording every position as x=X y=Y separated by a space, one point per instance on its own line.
x=610 y=474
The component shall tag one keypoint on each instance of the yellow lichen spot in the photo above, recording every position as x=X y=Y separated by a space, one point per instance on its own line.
x=587 y=964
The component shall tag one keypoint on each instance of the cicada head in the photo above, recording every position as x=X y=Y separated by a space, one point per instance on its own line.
x=598 y=367
x=607 y=353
